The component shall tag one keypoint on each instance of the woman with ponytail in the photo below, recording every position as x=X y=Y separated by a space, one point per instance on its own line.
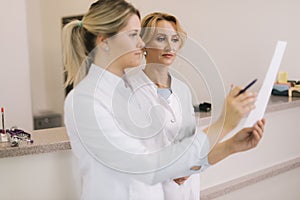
x=96 y=52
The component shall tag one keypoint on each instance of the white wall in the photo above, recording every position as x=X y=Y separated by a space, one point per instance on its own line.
x=282 y=186
x=45 y=176
x=240 y=36
x=15 y=92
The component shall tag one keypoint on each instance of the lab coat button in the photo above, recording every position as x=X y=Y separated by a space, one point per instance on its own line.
x=172 y=120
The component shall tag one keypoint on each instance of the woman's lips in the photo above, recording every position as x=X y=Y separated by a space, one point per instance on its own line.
x=167 y=55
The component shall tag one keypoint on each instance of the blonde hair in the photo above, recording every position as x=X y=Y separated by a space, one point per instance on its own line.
x=104 y=18
x=150 y=21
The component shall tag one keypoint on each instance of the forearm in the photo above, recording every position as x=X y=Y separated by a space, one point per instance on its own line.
x=219 y=152
x=216 y=132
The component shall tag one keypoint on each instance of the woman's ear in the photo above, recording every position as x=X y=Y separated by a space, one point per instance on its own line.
x=99 y=39
x=102 y=43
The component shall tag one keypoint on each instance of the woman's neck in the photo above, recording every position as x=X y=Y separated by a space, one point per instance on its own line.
x=111 y=67
x=158 y=74
x=116 y=70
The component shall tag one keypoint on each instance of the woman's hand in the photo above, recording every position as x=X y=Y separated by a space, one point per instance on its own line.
x=247 y=138
x=181 y=180
x=237 y=107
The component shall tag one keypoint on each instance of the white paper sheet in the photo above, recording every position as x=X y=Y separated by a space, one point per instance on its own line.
x=265 y=91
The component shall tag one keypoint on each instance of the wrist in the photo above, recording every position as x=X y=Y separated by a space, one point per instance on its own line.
x=219 y=152
x=229 y=146
x=223 y=126
x=229 y=121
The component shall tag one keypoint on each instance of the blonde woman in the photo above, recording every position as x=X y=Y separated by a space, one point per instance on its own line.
x=96 y=50
x=163 y=37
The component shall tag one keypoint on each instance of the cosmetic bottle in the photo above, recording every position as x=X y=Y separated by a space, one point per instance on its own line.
x=4 y=136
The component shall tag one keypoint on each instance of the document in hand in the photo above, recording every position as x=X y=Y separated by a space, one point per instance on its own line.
x=265 y=91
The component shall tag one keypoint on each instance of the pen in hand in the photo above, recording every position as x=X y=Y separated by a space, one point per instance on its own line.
x=246 y=88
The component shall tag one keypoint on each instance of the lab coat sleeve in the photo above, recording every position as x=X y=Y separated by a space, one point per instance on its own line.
x=192 y=160
x=94 y=126
x=92 y=123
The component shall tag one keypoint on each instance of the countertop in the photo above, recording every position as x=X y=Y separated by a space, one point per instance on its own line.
x=56 y=139
x=45 y=140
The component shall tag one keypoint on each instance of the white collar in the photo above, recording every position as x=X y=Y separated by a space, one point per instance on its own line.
x=98 y=72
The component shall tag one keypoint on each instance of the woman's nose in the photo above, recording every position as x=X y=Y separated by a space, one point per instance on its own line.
x=141 y=43
x=170 y=47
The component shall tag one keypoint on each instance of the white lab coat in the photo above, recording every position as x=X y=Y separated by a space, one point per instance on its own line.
x=180 y=123
x=107 y=156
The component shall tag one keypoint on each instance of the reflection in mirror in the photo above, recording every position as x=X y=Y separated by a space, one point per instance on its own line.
x=47 y=118
x=45 y=19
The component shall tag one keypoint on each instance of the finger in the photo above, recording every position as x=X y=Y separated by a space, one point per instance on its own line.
x=179 y=182
x=258 y=132
x=261 y=125
x=264 y=121
x=234 y=91
x=246 y=102
x=246 y=95
x=248 y=129
x=176 y=181
x=231 y=87
x=243 y=108
x=179 y=179
x=246 y=106
x=256 y=137
x=246 y=109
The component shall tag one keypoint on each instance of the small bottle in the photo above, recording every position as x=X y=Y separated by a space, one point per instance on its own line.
x=4 y=137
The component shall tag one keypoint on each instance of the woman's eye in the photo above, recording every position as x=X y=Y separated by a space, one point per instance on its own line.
x=175 y=40
x=160 y=39
x=133 y=34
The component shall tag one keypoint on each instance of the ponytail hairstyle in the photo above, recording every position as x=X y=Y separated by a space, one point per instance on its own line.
x=105 y=18
x=150 y=21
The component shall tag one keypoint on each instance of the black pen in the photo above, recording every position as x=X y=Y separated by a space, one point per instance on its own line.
x=246 y=88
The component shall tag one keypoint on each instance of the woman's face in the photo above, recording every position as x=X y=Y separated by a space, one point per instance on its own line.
x=163 y=47
x=126 y=46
